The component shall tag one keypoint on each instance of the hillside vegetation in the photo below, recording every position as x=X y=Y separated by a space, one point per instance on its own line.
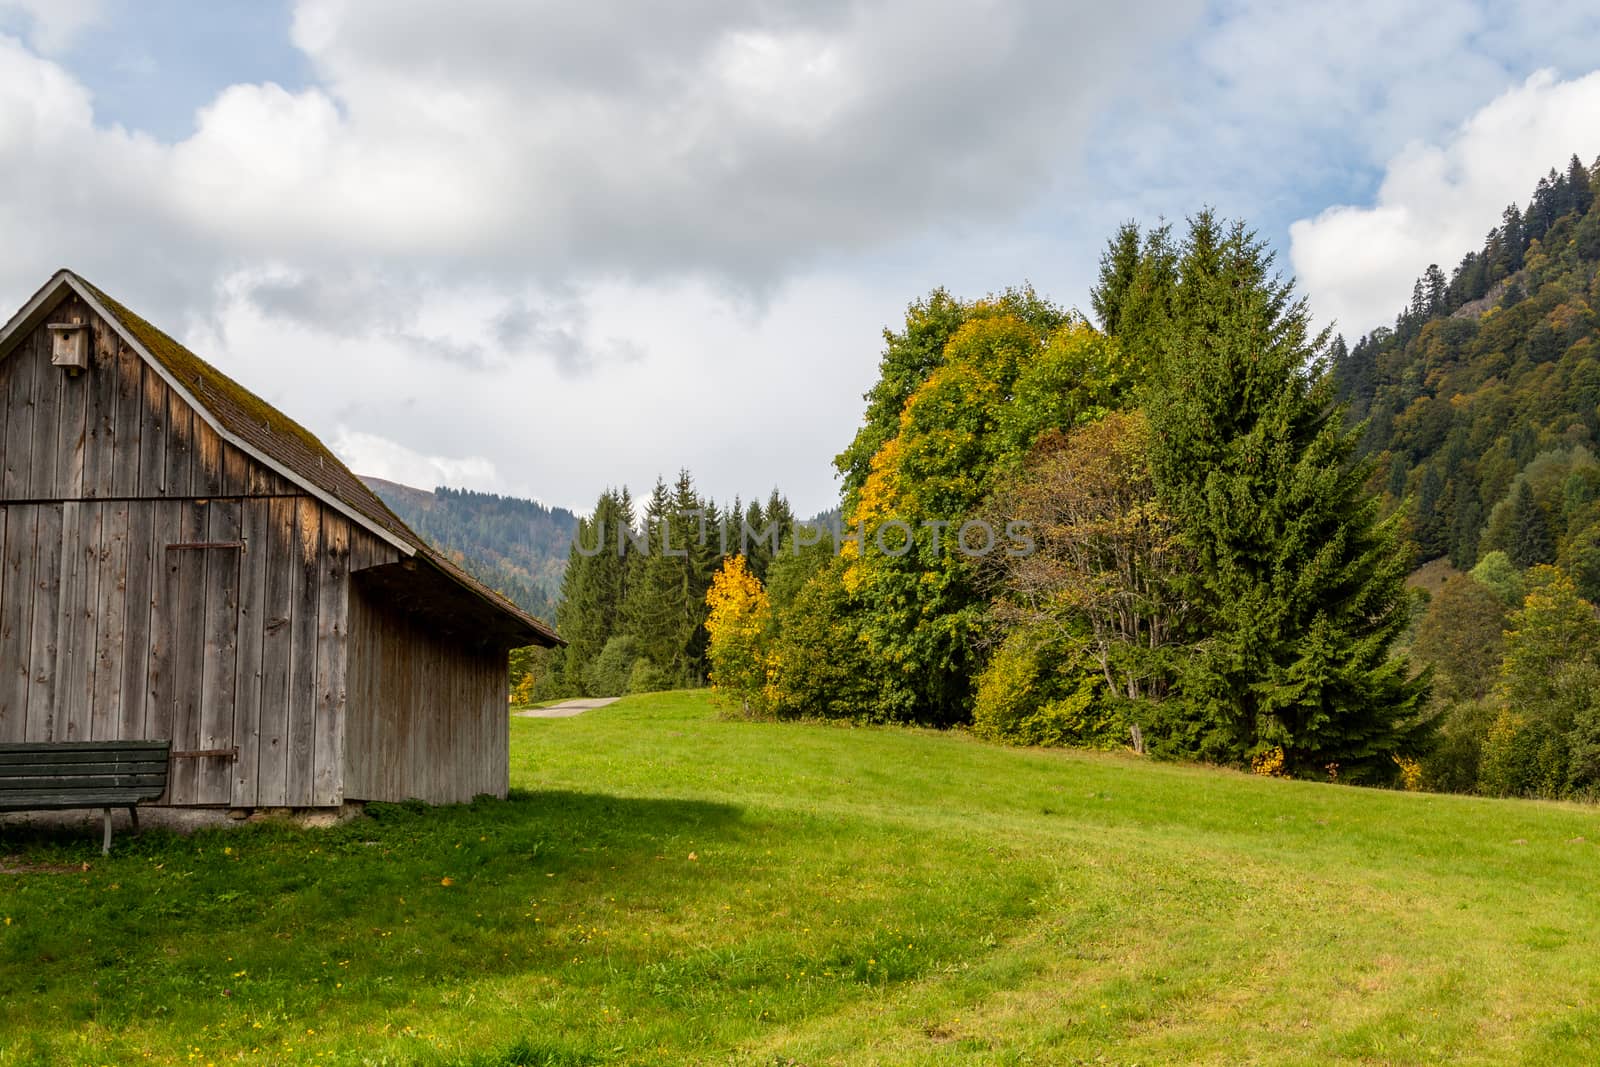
x=1481 y=411
x=1491 y=377
x=517 y=547
x=668 y=885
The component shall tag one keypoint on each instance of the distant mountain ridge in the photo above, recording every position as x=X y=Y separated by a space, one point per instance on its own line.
x=517 y=547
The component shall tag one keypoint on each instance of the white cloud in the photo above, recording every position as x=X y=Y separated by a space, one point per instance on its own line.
x=1437 y=201
x=378 y=457
x=556 y=245
x=54 y=24
x=747 y=398
x=571 y=240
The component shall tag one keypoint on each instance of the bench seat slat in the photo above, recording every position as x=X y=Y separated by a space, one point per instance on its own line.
x=79 y=770
x=58 y=782
x=11 y=756
x=68 y=746
x=43 y=799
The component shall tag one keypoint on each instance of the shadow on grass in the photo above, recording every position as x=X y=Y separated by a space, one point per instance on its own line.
x=200 y=928
x=63 y=845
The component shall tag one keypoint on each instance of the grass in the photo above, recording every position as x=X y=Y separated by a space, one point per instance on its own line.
x=669 y=886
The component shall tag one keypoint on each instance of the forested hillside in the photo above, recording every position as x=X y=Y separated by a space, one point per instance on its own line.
x=1482 y=399
x=518 y=547
x=1482 y=423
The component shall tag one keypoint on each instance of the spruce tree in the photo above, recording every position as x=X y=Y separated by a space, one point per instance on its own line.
x=694 y=533
x=1299 y=582
x=1119 y=265
x=594 y=586
x=1438 y=290
x=1578 y=182
x=655 y=586
x=1531 y=542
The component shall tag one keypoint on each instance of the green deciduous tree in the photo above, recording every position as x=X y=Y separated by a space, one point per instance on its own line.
x=1461 y=638
x=1543 y=739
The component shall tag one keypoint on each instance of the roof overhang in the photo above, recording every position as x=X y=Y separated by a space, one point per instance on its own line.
x=420 y=586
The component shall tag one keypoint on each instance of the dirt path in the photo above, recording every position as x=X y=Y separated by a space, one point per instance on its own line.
x=567 y=709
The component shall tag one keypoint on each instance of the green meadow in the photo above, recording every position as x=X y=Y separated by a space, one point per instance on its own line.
x=670 y=885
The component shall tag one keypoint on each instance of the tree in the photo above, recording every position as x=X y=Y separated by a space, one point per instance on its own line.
x=1499 y=575
x=1298 y=582
x=1132 y=301
x=1001 y=380
x=820 y=664
x=1578 y=184
x=656 y=613
x=1106 y=554
x=739 y=622
x=912 y=354
x=1529 y=541
x=1549 y=694
x=1119 y=269
x=1461 y=638
x=594 y=587
x=1437 y=289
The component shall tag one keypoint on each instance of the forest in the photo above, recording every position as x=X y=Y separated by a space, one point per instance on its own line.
x=1479 y=412
x=517 y=547
x=633 y=594
x=1251 y=543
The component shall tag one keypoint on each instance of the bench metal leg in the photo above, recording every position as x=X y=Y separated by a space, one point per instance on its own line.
x=133 y=814
x=105 y=846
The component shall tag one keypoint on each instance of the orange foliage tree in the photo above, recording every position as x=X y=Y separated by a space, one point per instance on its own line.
x=739 y=628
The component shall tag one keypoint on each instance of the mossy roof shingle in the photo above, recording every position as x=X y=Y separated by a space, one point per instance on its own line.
x=262 y=429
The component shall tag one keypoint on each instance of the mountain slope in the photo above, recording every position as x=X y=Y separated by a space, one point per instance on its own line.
x=518 y=547
x=1490 y=381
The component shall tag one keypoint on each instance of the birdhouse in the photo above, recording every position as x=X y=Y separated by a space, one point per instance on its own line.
x=69 y=345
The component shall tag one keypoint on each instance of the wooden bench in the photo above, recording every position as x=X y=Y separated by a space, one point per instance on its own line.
x=60 y=775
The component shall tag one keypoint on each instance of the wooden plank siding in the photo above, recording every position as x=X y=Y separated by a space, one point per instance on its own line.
x=427 y=716
x=122 y=616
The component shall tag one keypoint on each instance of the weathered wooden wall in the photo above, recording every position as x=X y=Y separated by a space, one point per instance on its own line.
x=109 y=630
x=428 y=717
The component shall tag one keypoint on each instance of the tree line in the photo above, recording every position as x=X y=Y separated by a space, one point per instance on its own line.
x=633 y=595
x=1212 y=577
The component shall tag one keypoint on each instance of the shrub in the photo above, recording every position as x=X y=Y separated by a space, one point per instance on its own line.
x=1034 y=692
x=819 y=665
x=612 y=669
x=646 y=677
x=1453 y=764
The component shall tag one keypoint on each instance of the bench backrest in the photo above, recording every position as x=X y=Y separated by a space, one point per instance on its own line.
x=135 y=768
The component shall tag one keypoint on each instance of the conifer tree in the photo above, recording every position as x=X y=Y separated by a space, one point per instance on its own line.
x=1578 y=183
x=655 y=586
x=753 y=543
x=1119 y=266
x=1438 y=290
x=1299 y=583
x=594 y=586
x=1530 y=542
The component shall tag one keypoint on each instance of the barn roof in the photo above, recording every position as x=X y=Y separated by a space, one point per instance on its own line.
x=276 y=440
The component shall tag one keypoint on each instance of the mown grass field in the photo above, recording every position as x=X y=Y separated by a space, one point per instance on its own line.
x=666 y=886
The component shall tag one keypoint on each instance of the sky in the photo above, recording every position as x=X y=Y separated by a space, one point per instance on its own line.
x=545 y=248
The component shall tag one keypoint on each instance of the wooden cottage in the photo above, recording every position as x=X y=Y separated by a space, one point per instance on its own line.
x=178 y=560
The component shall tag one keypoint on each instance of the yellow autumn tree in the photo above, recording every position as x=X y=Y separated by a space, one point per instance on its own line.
x=739 y=628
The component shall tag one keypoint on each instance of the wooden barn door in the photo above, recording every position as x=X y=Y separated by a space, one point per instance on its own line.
x=199 y=633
